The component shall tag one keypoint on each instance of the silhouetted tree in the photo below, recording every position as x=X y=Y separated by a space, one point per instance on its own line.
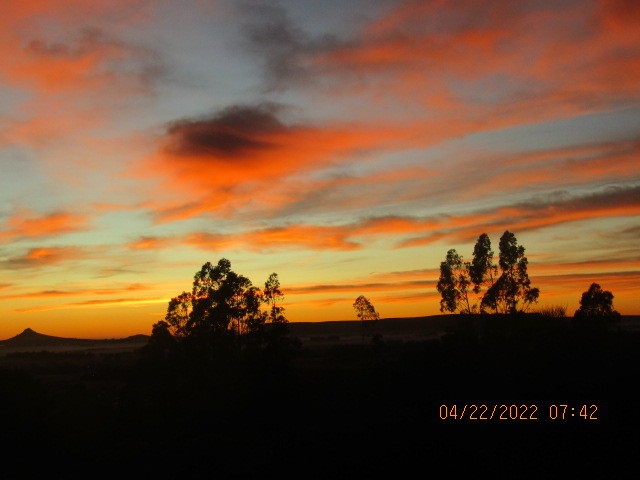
x=178 y=313
x=596 y=308
x=454 y=284
x=366 y=314
x=482 y=270
x=221 y=299
x=221 y=302
x=162 y=344
x=457 y=277
x=512 y=291
x=255 y=319
x=272 y=296
x=224 y=308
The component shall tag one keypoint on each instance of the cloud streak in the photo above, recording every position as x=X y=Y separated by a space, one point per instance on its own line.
x=74 y=293
x=94 y=303
x=28 y=224
x=537 y=213
x=40 y=257
x=540 y=213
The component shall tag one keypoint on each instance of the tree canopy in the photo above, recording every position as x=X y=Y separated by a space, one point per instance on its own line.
x=512 y=291
x=461 y=282
x=366 y=314
x=223 y=302
x=596 y=305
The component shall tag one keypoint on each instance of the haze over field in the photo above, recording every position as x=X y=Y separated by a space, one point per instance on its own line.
x=344 y=145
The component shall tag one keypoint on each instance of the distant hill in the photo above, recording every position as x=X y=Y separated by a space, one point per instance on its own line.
x=350 y=331
x=342 y=330
x=416 y=327
x=404 y=328
x=31 y=338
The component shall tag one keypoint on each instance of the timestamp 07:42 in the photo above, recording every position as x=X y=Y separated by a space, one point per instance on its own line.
x=518 y=412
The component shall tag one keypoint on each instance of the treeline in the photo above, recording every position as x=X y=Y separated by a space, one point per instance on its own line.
x=480 y=286
x=225 y=311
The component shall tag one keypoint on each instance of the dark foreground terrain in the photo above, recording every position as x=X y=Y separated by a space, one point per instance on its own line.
x=328 y=410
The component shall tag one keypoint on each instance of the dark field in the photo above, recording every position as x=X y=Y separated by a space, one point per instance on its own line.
x=329 y=408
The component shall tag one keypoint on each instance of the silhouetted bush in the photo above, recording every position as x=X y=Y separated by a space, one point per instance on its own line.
x=553 y=311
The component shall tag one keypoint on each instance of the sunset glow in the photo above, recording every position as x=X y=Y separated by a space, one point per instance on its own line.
x=344 y=145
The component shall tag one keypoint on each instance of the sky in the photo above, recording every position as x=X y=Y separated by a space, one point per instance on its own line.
x=346 y=146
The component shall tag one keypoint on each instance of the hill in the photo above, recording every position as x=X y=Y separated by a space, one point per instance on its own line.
x=335 y=331
x=347 y=331
x=30 y=340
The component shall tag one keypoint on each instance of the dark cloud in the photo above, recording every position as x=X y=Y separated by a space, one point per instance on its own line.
x=283 y=47
x=632 y=232
x=609 y=276
x=233 y=132
x=611 y=197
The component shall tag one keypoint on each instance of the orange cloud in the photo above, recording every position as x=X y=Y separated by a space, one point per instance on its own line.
x=490 y=68
x=150 y=243
x=71 y=67
x=424 y=273
x=28 y=224
x=408 y=298
x=396 y=225
x=579 y=164
x=310 y=236
x=305 y=236
x=484 y=175
x=209 y=241
x=41 y=55
x=43 y=257
x=437 y=36
x=535 y=215
x=94 y=303
x=360 y=287
x=594 y=266
x=233 y=158
x=469 y=68
x=74 y=293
